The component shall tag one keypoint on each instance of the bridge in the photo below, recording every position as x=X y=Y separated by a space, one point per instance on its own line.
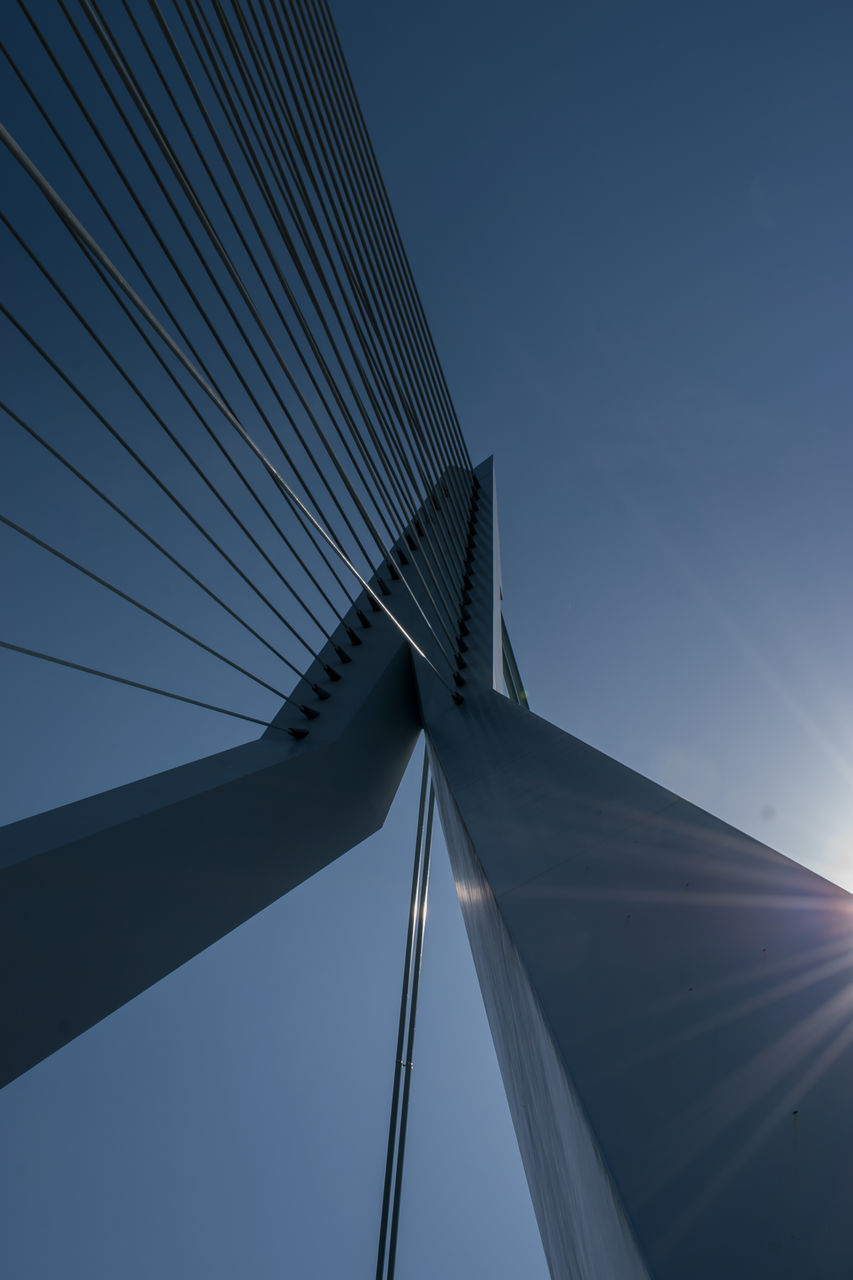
x=210 y=281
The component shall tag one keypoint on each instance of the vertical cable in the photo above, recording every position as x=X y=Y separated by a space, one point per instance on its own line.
x=389 y=1219
x=410 y=1043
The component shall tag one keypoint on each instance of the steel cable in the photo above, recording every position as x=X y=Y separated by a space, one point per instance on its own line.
x=354 y=194
x=321 y=9
x=137 y=684
x=178 y=445
x=144 y=213
x=411 y=482
x=258 y=231
x=149 y=538
x=170 y=314
x=204 y=34
x=91 y=245
x=149 y=471
x=400 y=461
x=250 y=347
x=137 y=604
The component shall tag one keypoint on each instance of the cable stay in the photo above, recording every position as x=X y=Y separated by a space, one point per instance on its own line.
x=136 y=684
x=274 y=285
x=150 y=539
x=92 y=247
x=137 y=604
x=175 y=441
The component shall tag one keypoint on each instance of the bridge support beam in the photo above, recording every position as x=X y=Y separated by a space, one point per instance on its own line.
x=102 y=898
x=671 y=1001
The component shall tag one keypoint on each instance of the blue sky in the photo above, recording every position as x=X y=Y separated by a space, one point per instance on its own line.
x=630 y=231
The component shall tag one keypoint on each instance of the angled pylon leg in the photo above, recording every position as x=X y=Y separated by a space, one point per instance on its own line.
x=102 y=898
x=671 y=1001
x=664 y=989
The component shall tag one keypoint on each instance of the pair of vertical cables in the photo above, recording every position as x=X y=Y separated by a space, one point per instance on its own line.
x=395 y=1155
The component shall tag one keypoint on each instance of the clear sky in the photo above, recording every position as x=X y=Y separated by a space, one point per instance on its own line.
x=630 y=229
